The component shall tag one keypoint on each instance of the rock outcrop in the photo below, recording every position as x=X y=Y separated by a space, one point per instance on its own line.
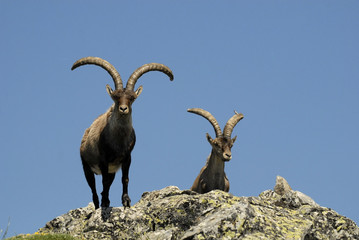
x=174 y=214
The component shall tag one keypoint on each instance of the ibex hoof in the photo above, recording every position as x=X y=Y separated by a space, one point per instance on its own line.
x=126 y=201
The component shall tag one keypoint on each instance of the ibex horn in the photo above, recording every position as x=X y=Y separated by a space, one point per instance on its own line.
x=147 y=68
x=209 y=117
x=232 y=122
x=105 y=65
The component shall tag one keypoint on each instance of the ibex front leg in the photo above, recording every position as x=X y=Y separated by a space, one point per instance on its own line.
x=107 y=179
x=126 y=201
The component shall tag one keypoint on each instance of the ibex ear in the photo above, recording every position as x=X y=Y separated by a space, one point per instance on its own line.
x=109 y=89
x=210 y=140
x=234 y=139
x=139 y=90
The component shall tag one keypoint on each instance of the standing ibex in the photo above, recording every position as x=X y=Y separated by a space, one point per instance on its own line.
x=212 y=175
x=107 y=144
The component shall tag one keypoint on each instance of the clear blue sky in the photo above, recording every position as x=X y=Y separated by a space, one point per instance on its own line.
x=291 y=67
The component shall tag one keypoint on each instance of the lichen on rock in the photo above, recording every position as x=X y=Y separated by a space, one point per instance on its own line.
x=171 y=213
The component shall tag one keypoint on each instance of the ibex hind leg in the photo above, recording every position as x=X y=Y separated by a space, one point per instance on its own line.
x=90 y=178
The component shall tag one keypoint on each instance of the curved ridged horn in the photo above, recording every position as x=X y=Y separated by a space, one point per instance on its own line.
x=232 y=122
x=105 y=65
x=209 y=117
x=147 y=68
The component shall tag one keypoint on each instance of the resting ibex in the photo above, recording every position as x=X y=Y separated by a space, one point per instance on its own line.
x=107 y=144
x=212 y=175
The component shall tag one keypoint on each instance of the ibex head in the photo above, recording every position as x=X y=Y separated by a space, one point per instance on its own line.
x=223 y=143
x=123 y=97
